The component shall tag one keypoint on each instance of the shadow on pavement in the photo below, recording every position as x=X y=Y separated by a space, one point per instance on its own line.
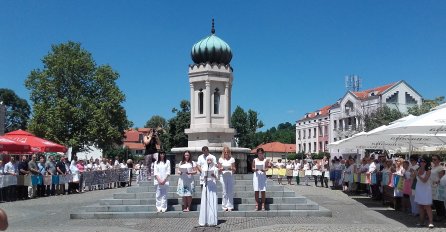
x=385 y=209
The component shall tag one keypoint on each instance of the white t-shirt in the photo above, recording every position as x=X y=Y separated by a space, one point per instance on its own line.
x=443 y=181
x=435 y=173
x=226 y=164
x=162 y=170
x=297 y=166
x=372 y=167
x=203 y=163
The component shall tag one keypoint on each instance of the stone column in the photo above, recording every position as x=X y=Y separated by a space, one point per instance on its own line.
x=192 y=105
x=226 y=120
x=208 y=102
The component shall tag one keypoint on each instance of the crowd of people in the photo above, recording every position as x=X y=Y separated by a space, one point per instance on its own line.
x=416 y=186
x=40 y=176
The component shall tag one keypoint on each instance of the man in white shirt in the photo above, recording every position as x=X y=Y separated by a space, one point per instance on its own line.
x=435 y=180
x=11 y=169
x=201 y=162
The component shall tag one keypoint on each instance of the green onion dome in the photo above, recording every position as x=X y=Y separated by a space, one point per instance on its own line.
x=211 y=50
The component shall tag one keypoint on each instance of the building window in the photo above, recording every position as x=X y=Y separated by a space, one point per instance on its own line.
x=298 y=134
x=304 y=134
x=216 y=101
x=325 y=130
x=309 y=133
x=410 y=100
x=321 y=148
x=335 y=125
x=314 y=133
x=200 y=101
x=309 y=147
x=314 y=147
x=300 y=147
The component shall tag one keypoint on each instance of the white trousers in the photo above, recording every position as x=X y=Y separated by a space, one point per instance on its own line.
x=161 y=197
x=227 y=182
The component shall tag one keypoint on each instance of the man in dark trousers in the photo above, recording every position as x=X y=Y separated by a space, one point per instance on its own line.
x=22 y=191
x=61 y=171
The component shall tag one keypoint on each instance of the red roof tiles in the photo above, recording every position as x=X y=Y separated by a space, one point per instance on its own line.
x=377 y=91
x=277 y=147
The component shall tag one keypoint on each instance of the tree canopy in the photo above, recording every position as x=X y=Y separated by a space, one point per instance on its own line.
x=76 y=102
x=156 y=121
x=246 y=125
x=426 y=106
x=17 y=110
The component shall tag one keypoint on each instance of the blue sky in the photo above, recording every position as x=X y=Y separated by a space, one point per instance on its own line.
x=289 y=57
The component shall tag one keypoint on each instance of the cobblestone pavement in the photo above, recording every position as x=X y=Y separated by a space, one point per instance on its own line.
x=350 y=213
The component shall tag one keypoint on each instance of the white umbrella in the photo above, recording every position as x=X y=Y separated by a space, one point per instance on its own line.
x=432 y=123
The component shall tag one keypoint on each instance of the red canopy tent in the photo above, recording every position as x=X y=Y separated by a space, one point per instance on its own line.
x=10 y=146
x=37 y=144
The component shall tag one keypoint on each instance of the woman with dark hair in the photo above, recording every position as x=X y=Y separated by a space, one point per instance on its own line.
x=152 y=144
x=423 y=191
x=161 y=173
x=260 y=166
x=186 y=186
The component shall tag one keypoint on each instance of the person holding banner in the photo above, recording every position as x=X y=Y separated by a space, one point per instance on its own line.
x=281 y=171
x=226 y=166
x=307 y=172
x=423 y=192
x=289 y=171
x=260 y=165
x=22 y=191
x=435 y=180
x=11 y=170
x=397 y=176
x=35 y=172
x=161 y=172
x=297 y=168
x=42 y=172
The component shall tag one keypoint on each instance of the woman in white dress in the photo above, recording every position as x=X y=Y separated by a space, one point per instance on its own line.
x=423 y=192
x=186 y=185
x=260 y=166
x=209 y=200
x=226 y=165
x=161 y=181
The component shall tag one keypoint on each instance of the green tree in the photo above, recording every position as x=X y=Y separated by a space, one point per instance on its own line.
x=239 y=121
x=175 y=136
x=156 y=121
x=426 y=106
x=76 y=102
x=17 y=110
x=246 y=125
x=382 y=116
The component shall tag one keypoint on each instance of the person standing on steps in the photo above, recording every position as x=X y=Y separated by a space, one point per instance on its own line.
x=161 y=181
x=202 y=161
x=289 y=171
x=186 y=186
x=260 y=165
x=226 y=166
x=209 y=200
x=152 y=144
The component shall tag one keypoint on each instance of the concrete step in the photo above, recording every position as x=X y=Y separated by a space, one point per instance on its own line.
x=152 y=208
x=178 y=201
x=197 y=182
x=173 y=188
x=195 y=214
x=148 y=195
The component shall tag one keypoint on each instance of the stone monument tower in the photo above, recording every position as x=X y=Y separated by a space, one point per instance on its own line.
x=210 y=79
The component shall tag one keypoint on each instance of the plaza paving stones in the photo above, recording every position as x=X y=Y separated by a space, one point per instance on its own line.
x=349 y=214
